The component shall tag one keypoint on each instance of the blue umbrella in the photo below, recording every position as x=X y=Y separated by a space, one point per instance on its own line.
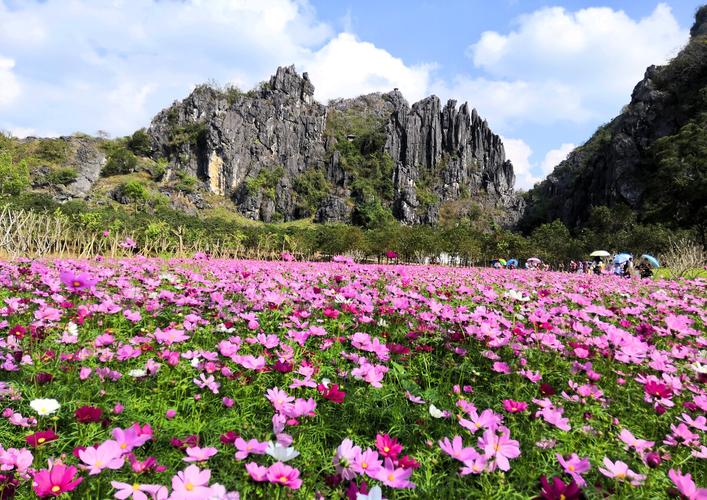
x=651 y=260
x=622 y=257
x=513 y=262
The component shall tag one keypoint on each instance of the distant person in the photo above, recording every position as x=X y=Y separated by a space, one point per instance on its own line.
x=561 y=267
x=644 y=270
x=573 y=266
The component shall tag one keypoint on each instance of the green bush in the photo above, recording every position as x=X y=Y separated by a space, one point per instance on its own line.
x=14 y=178
x=187 y=183
x=62 y=176
x=311 y=188
x=135 y=191
x=121 y=161
x=266 y=181
x=139 y=143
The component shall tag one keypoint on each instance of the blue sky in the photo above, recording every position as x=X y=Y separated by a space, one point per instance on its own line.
x=544 y=74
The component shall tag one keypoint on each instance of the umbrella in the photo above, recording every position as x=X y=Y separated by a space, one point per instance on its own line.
x=513 y=262
x=622 y=257
x=502 y=261
x=534 y=259
x=599 y=253
x=651 y=260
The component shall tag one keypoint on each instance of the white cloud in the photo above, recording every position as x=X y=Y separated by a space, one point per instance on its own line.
x=348 y=67
x=560 y=66
x=113 y=64
x=554 y=157
x=527 y=172
x=9 y=86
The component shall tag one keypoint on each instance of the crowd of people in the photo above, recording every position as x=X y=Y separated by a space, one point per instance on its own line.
x=624 y=267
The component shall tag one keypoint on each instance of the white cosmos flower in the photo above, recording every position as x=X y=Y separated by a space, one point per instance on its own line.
x=45 y=407
x=698 y=367
x=72 y=329
x=436 y=412
x=137 y=373
x=516 y=295
x=281 y=453
x=374 y=493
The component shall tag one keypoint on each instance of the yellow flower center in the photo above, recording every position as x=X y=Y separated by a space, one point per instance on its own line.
x=56 y=489
x=562 y=496
x=621 y=475
x=76 y=283
x=391 y=477
x=386 y=449
x=136 y=487
x=283 y=479
x=123 y=446
x=99 y=463
x=188 y=486
x=571 y=468
x=41 y=440
x=364 y=465
x=497 y=447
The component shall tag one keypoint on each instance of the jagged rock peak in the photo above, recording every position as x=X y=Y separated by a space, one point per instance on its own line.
x=287 y=80
x=699 y=28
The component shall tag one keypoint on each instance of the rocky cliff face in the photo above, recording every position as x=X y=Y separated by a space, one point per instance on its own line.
x=617 y=165
x=452 y=150
x=260 y=147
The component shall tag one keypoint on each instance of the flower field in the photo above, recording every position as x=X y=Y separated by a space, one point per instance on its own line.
x=145 y=378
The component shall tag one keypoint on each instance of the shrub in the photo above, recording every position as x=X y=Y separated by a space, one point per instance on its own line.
x=186 y=183
x=120 y=162
x=134 y=191
x=139 y=143
x=14 y=178
x=62 y=176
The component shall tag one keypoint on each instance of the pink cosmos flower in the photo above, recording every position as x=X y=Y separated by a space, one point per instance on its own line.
x=475 y=465
x=367 y=462
x=284 y=475
x=257 y=472
x=387 y=446
x=686 y=486
x=345 y=455
x=456 y=449
x=499 y=447
x=575 y=466
x=196 y=454
x=108 y=455
x=279 y=399
x=631 y=441
x=77 y=282
x=245 y=448
x=132 y=437
x=56 y=480
x=394 y=477
x=488 y=419
x=137 y=491
x=619 y=470
x=191 y=483
x=514 y=406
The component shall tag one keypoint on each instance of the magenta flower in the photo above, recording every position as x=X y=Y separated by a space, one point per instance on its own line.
x=132 y=437
x=387 y=446
x=499 y=447
x=558 y=490
x=196 y=454
x=514 y=406
x=686 y=486
x=394 y=477
x=191 y=483
x=56 y=480
x=77 y=282
x=631 y=441
x=88 y=414
x=108 y=455
x=284 y=475
x=40 y=438
x=245 y=448
x=575 y=467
